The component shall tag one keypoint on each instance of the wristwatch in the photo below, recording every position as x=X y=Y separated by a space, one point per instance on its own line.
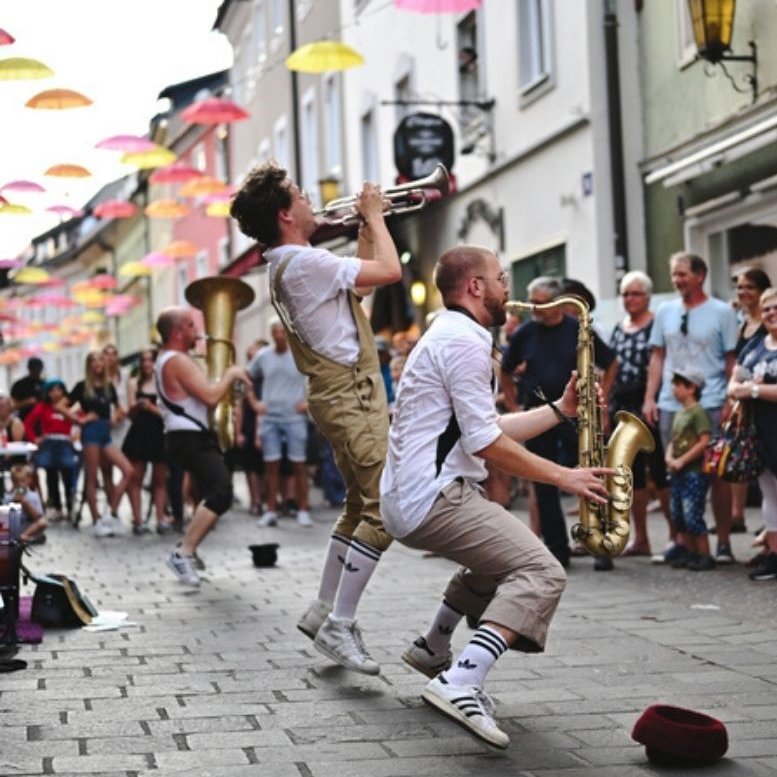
x=754 y=391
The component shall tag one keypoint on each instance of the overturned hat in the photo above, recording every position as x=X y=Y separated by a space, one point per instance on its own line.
x=674 y=736
x=691 y=375
x=264 y=555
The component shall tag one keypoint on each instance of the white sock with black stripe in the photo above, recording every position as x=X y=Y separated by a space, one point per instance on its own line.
x=438 y=637
x=477 y=658
x=358 y=565
x=333 y=567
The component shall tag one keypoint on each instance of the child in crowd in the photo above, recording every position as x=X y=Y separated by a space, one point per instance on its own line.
x=50 y=426
x=33 y=522
x=691 y=431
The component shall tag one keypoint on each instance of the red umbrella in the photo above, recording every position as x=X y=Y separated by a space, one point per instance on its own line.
x=126 y=143
x=6 y=38
x=175 y=173
x=103 y=281
x=22 y=186
x=114 y=209
x=213 y=110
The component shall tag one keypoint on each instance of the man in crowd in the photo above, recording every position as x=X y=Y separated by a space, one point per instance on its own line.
x=316 y=295
x=697 y=331
x=283 y=410
x=445 y=428
x=184 y=398
x=26 y=391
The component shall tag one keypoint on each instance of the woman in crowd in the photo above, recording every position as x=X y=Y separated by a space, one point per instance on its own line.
x=119 y=423
x=144 y=444
x=630 y=341
x=11 y=430
x=96 y=400
x=750 y=284
x=755 y=378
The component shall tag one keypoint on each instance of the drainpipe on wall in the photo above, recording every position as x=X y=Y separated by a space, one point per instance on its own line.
x=295 y=96
x=617 y=175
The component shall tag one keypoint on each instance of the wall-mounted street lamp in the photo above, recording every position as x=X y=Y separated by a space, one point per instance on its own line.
x=418 y=293
x=329 y=189
x=713 y=25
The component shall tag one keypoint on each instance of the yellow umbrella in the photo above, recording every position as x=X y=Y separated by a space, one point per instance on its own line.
x=201 y=187
x=166 y=209
x=51 y=346
x=20 y=69
x=218 y=209
x=31 y=275
x=58 y=99
x=145 y=160
x=92 y=317
x=14 y=209
x=323 y=56
x=68 y=171
x=134 y=270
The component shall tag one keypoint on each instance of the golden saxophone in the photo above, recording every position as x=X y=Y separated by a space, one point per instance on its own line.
x=603 y=529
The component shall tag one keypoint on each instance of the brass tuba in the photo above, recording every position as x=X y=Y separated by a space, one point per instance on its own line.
x=603 y=529
x=219 y=298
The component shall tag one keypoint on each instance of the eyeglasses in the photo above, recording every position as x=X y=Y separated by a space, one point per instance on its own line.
x=503 y=278
x=633 y=294
x=684 y=324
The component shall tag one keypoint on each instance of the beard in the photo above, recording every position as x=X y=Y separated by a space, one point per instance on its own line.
x=495 y=306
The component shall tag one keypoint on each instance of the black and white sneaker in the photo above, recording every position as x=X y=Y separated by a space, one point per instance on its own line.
x=469 y=706
x=424 y=660
x=766 y=570
x=183 y=567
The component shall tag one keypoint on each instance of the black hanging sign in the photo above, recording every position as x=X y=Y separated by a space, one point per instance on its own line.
x=421 y=141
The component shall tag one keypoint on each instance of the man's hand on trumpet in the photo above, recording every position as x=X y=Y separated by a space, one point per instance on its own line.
x=371 y=204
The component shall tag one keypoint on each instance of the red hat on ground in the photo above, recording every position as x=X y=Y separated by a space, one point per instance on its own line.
x=674 y=736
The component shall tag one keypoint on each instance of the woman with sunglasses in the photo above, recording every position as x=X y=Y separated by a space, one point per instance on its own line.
x=755 y=378
x=631 y=342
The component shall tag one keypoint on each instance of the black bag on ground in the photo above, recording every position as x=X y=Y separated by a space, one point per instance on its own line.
x=58 y=603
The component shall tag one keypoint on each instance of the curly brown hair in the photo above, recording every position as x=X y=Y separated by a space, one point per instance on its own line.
x=256 y=204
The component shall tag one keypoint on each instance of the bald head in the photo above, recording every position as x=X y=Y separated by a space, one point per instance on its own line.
x=169 y=320
x=454 y=269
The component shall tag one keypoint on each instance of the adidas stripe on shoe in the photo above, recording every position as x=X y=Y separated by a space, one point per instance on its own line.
x=425 y=660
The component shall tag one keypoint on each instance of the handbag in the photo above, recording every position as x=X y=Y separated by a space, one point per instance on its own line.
x=733 y=454
x=57 y=602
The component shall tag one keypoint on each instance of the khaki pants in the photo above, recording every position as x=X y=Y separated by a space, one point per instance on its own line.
x=507 y=575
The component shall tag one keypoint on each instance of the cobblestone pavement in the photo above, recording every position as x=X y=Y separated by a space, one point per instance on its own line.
x=218 y=682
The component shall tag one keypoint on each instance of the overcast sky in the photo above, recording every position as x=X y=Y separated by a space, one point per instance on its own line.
x=119 y=54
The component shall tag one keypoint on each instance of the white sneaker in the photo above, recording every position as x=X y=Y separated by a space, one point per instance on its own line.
x=426 y=661
x=304 y=519
x=119 y=529
x=270 y=518
x=341 y=640
x=183 y=567
x=314 y=616
x=469 y=706
x=103 y=527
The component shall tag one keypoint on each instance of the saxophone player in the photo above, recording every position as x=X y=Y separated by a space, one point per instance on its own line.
x=445 y=427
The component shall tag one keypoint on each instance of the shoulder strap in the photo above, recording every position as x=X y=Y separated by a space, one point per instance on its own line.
x=276 y=301
x=174 y=408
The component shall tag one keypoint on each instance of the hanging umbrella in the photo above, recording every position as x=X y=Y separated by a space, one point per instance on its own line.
x=134 y=270
x=10 y=356
x=200 y=187
x=218 y=209
x=181 y=249
x=157 y=259
x=65 y=211
x=58 y=100
x=52 y=282
x=52 y=299
x=92 y=317
x=166 y=209
x=6 y=39
x=126 y=143
x=437 y=6
x=14 y=209
x=175 y=173
x=10 y=264
x=21 y=69
x=22 y=186
x=31 y=275
x=146 y=160
x=114 y=209
x=103 y=281
x=213 y=110
x=68 y=171
x=323 y=56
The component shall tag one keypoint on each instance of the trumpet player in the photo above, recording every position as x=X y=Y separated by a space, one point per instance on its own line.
x=316 y=295
x=445 y=428
x=184 y=398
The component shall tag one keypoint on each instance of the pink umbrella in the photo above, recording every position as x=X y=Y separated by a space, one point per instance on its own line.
x=51 y=299
x=22 y=186
x=114 y=209
x=157 y=259
x=6 y=38
x=64 y=210
x=126 y=143
x=10 y=264
x=437 y=6
x=175 y=173
x=213 y=110
x=103 y=281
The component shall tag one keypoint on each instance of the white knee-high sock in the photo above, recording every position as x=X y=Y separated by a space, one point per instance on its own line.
x=333 y=567
x=438 y=637
x=357 y=569
x=477 y=658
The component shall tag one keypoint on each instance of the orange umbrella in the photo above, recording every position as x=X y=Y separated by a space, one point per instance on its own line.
x=181 y=249
x=68 y=171
x=202 y=186
x=213 y=110
x=58 y=99
x=175 y=173
x=166 y=209
x=115 y=209
x=21 y=69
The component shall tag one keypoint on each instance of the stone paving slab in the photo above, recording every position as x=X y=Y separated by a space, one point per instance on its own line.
x=219 y=681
